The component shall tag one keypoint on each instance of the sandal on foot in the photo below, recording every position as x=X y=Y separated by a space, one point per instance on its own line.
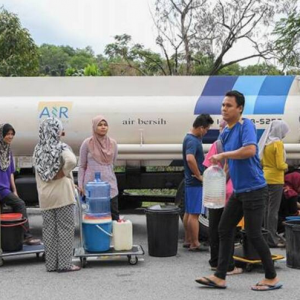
x=200 y=248
x=186 y=245
x=72 y=269
x=263 y=287
x=32 y=241
x=208 y=282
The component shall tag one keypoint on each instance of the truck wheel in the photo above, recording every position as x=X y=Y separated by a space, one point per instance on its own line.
x=203 y=219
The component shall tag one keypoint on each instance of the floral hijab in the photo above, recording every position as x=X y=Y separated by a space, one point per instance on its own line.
x=47 y=153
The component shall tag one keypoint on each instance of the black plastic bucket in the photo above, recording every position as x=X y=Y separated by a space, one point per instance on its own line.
x=12 y=235
x=249 y=251
x=162 y=229
x=292 y=235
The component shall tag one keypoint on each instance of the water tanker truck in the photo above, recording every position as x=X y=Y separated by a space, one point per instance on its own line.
x=148 y=117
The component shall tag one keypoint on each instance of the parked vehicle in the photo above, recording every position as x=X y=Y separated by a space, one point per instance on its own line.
x=148 y=116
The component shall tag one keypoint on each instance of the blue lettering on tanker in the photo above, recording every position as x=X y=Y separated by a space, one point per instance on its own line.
x=264 y=94
x=59 y=110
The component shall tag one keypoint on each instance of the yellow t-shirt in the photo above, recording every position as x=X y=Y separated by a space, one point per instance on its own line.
x=273 y=163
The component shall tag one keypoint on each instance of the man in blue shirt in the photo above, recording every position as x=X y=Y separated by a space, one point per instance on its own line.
x=250 y=193
x=193 y=158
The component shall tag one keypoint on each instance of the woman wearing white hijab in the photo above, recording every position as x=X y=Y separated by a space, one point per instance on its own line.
x=273 y=156
x=54 y=162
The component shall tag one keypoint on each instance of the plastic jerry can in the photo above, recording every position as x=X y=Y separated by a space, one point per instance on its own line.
x=122 y=235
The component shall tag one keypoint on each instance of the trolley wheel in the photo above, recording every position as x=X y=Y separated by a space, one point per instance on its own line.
x=249 y=267
x=133 y=260
x=1 y=262
x=83 y=262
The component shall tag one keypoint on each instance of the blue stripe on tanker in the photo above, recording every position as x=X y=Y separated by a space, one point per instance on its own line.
x=264 y=94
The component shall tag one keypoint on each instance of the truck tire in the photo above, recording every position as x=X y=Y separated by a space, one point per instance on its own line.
x=203 y=218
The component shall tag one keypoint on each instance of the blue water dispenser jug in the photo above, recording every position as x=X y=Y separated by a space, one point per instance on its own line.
x=98 y=196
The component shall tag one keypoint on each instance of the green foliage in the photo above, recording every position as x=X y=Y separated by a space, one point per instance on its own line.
x=287 y=44
x=91 y=70
x=234 y=69
x=82 y=58
x=53 y=60
x=71 y=72
x=261 y=69
x=18 y=52
x=140 y=61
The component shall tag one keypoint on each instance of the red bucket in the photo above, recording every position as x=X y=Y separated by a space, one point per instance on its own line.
x=11 y=217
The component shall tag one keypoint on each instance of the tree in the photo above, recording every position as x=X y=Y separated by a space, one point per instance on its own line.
x=143 y=61
x=18 y=52
x=188 y=27
x=54 y=60
x=91 y=70
x=176 y=23
x=82 y=58
x=287 y=44
x=261 y=69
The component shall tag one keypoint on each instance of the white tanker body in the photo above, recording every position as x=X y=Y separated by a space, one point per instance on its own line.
x=148 y=116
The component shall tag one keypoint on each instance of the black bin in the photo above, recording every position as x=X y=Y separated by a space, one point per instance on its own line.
x=12 y=234
x=162 y=228
x=292 y=235
x=249 y=251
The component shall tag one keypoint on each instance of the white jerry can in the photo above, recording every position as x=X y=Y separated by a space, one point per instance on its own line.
x=122 y=235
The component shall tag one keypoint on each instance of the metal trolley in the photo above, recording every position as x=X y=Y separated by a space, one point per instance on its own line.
x=38 y=250
x=132 y=255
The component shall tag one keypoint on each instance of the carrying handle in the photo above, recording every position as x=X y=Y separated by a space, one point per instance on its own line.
x=15 y=224
x=104 y=231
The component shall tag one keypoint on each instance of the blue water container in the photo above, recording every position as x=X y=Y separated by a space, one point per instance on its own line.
x=98 y=196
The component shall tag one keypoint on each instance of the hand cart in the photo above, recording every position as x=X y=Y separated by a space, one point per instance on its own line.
x=248 y=264
x=83 y=255
x=27 y=249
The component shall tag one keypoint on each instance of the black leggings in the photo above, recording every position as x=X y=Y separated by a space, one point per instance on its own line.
x=214 y=221
x=251 y=205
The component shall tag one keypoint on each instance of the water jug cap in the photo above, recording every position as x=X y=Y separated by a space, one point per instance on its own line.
x=97 y=176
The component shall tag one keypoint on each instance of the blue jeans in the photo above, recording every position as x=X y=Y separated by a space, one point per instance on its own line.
x=251 y=205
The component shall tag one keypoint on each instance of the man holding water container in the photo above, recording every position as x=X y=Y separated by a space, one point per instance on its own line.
x=249 y=196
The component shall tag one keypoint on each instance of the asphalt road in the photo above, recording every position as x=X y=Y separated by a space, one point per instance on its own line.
x=152 y=278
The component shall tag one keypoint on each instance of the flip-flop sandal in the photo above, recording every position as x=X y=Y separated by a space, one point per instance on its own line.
x=73 y=268
x=186 y=245
x=210 y=283
x=200 y=248
x=32 y=241
x=268 y=287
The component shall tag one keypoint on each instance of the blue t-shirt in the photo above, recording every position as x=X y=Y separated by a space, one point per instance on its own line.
x=192 y=145
x=246 y=174
x=5 y=187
